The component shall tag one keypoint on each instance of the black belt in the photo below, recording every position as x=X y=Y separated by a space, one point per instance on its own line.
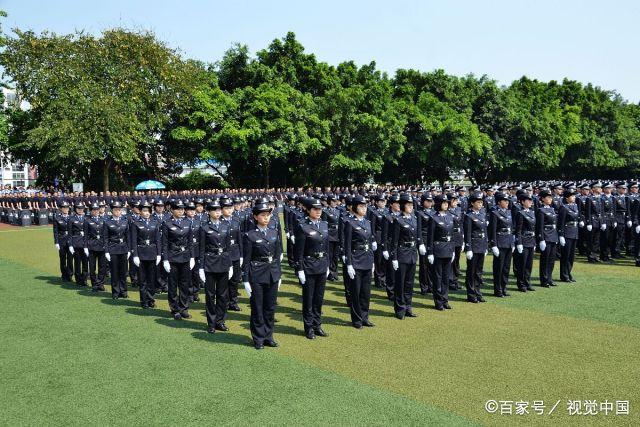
x=504 y=230
x=215 y=251
x=316 y=255
x=333 y=226
x=572 y=223
x=456 y=229
x=478 y=235
x=408 y=244
x=445 y=239
x=361 y=247
x=550 y=227
x=268 y=259
x=528 y=233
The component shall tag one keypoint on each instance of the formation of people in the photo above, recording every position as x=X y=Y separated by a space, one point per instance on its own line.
x=211 y=242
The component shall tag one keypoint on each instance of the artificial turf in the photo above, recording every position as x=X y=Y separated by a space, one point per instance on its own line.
x=72 y=357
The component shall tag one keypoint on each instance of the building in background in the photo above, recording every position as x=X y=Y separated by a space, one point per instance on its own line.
x=14 y=173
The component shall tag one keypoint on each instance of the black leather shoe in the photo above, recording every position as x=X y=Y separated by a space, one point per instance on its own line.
x=498 y=295
x=271 y=343
x=310 y=335
x=196 y=299
x=399 y=316
x=211 y=330
x=522 y=289
x=530 y=289
x=152 y=305
x=573 y=280
x=320 y=332
x=440 y=308
x=473 y=300
x=446 y=305
x=552 y=284
x=368 y=324
x=411 y=314
x=544 y=285
x=506 y=294
x=185 y=315
x=124 y=295
x=258 y=346
x=222 y=327
x=482 y=299
x=234 y=308
x=177 y=316
x=357 y=326
x=144 y=307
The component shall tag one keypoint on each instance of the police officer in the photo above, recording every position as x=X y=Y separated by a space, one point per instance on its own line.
x=458 y=240
x=116 y=234
x=525 y=239
x=235 y=251
x=94 y=244
x=547 y=236
x=61 y=240
x=404 y=254
x=312 y=266
x=359 y=245
x=569 y=221
x=622 y=218
x=331 y=215
x=424 y=215
x=261 y=274
x=160 y=215
x=146 y=249
x=377 y=217
x=194 y=221
x=502 y=243
x=386 y=237
x=476 y=244
x=608 y=223
x=439 y=249
x=215 y=267
x=76 y=245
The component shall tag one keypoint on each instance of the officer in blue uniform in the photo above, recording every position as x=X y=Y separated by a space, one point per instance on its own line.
x=94 y=244
x=501 y=241
x=547 y=237
x=569 y=222
x=387 y=248
x=424 y=215
x=439 y=249
x=116 y=234
x=404 y=255
x=525 y=235
x=61 y=240
x=195 y=223
x=377 y=217
x=76 y=245
x=331 y=215
x=476 y=244
x=146 y=249
x=235 y=251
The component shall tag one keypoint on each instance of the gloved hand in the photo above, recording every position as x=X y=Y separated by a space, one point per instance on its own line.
x=422 y=249
x=603 y=227
x=136 y=261
x=158 y=258
x=373 y=268
x=107 y=255
x=431 y=259
x=452 y=258
x=247 y=288
x=374 y=246
x=637 y=229
x=86 y=251
x=520 y=248
x=394 y=264
x=513 y=248
x=615 y=224
x=128 y=255
x=192 y=263
x=279 y=283
x=293 y=239
x=351 y=271
x=469 y=255
x=589 y=227
x=462 y=247
x=629 y=224
x=562 y=240
x=57 y=246
x=581 y=224
x=495 y=250
x=328 y=272
x=543 y=246
x=167 y=266
x=230 y=272
x=385 y=254
x=302 y=277
x=241 y=261
x=201 y=275
x=288 y=235
x=344 y=258
x=73 y=251
x=281 y=256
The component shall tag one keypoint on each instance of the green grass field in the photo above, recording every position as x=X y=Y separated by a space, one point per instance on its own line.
x=68 y=356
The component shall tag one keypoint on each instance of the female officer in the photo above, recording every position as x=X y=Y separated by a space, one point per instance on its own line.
x=116 y=234
x=146 y=248
x=312 y=264
x=525 y=221
x=568 y=221
x=404 y=254
x=476 y=243
x=262 y=252
x=458 y=240
x=359 y=244
x=440 y=250
x=547 y=236
x=61 y=240
x=215 y=266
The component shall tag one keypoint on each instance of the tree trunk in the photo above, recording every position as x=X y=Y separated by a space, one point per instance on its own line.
x=105 y=174
x=266 y=175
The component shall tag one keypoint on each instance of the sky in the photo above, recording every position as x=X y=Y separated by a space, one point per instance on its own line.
x=588 y=41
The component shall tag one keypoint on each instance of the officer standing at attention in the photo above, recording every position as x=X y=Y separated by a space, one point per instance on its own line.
x=116 y=234
x=177 y=260
x=458 y=240
x=377 y=218
x=440 y=250
x=160 y=215
x=76 y=245
x=261 y=275
x=194 y=221
x=94 y=247
x=312 y=266
x=146 y=249
x=569 y=221
x=235 y=251
x=404 y=253
x=547 y=236
x=476 y=244
x=424 y=214
x=215 y=267
x=331 y=215
x=502 y=243
x=61 y=240
x=525 y=241
x=359 y=245
x=387 y=248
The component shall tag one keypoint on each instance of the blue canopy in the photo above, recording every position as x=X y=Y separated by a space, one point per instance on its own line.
x=150 y=185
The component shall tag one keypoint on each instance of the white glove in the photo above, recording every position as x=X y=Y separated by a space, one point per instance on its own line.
x=302 y=277
x=201 y=275
x=247 y=288
x=241 y=261
x=158 y=258
x=462 y=247
x=351 y=271
x=167 y=266
x=431 y=259
x=615 y=224
x=603 y=227
x=136 y=261
x=344 y=258
x=581 y=224
x=422 y=249
x=374 y=246
x=637 y=229
x=452 y=258
x=57 y=246
x=513 y=248
x=394 y=264
x=327 y=272
x=192 y=263
x=543 y=246
x=230 y=272
x=629 y=224
x=469 y=255
x=281 y=255
x=128 y=255
x=279 y=283
x=288 y=235
x=385 y=254
x=496 y=251
x=562 y=240
x=73 y=251
x=86 y=251
x=373 y=268
x=108 y=256
x=520 y=248
x=293 y=239
x=589 y=227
